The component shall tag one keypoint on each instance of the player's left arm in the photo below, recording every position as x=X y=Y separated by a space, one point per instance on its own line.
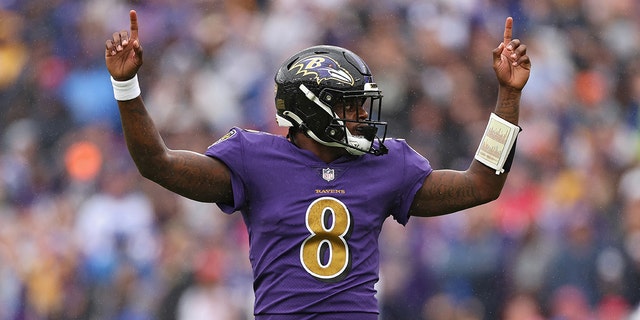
x=448 y=191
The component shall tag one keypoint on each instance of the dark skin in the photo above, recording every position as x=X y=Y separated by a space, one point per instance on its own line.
x=202 y=178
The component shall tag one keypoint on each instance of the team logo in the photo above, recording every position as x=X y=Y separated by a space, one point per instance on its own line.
x=328 y=174
x=229 y=134
x=321 y=68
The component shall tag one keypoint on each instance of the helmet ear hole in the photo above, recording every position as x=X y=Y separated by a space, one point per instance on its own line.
x=334 y=132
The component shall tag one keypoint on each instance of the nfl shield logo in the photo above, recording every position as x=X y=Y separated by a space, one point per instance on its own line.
x=327 y=174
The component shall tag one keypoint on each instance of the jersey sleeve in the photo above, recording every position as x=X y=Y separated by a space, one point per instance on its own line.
x=415 y=170
x=229 y=149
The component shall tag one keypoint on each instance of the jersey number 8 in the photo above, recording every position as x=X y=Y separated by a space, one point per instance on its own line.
x=325 y=253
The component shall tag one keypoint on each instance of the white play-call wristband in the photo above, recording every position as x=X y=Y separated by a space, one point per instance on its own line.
x=497 y=144
x=126 y=90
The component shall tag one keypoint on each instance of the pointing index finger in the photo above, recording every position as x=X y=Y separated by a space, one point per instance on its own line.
x=508 y=30
x=133 y=17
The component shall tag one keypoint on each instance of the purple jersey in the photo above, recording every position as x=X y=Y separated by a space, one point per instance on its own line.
x=313 y=227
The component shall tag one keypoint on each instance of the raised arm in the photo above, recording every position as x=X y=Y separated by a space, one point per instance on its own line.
x=448 y=191
x=187 y=173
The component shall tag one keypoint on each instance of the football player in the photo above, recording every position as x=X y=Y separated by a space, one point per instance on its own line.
x=314 y=202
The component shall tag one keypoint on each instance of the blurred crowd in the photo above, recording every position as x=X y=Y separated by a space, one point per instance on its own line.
x=83 y=236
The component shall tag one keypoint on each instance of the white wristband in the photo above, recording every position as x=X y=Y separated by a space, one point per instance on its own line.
x=496 y=144
x=126 y=90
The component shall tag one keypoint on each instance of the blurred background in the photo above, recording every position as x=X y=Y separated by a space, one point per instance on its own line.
x=83 y=236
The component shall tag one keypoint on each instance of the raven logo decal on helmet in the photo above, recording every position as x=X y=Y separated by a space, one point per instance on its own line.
x=322 y=68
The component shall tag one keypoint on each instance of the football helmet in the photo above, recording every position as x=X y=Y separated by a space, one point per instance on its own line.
x=312 y=89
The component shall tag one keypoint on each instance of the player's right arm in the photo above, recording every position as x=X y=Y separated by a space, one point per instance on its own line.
x=187 y=173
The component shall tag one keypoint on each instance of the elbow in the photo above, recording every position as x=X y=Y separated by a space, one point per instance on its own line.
x=493 y=195
x=487 y=184
x=149 y=168
x=490 y=191
x=486 y=197
x=147 y=173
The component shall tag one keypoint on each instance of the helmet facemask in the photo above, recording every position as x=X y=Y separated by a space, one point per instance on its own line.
x=346 y=109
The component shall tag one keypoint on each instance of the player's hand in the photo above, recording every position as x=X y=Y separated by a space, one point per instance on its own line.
x=510 y=60
x=123 y=53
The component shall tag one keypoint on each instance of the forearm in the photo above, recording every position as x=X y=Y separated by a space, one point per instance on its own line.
x=508 y=104
x=490 y=183
x=507 y=108
x=449 y=191
x=142 y=138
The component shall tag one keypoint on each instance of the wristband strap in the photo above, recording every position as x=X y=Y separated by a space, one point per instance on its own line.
x=126 y=90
